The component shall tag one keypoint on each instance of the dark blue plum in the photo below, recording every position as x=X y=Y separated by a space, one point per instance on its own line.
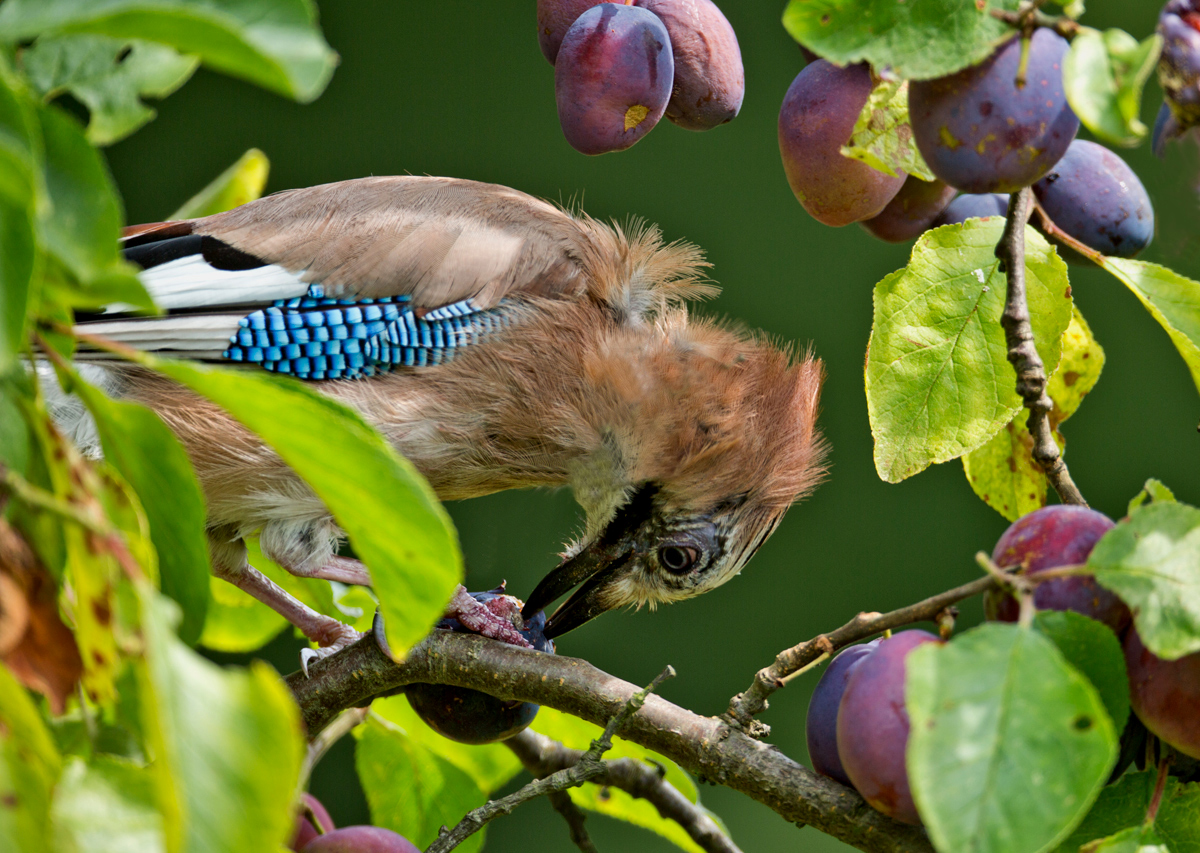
x=1166 y=128
x=911 y=212
x=872 y=727
x=970 y=206
x=1179 y=64
x=821 y=723
x=612 y=77
x=1053 y=536
x=1092 y=195
x=980 y=133
x=469 y=716
x=815 y=121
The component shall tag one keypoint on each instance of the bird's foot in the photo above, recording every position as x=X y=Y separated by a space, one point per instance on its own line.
x=331 y=637
x=498 y=618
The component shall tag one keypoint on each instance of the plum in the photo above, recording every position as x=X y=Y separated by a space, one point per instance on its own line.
x=970 y=206
x=709 y=79
x=361 y=839
x=469 y=716
x=1179 y=64
x=911 y=212
x=980 y=133
x=872 y=727
x=305 y=831
x=554 y=18
x=1092 y=195
x=1165 y=694
x=612 y=78
x=815 y=121
x=1049 y=537
x=821 y=723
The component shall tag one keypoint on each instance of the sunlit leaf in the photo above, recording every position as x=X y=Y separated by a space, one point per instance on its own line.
x=882 y=136
x=1103 y=76
x=29 y=767
x=242 y=182
x=1153 y=492
x=1095 y=652
x=107 y=805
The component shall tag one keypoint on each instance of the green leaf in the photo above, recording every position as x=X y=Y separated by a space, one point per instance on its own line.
x=107 y=806
x=20 y=140
x=490 y=766
x=1103 y=76
x=29 y=767
x=1009 y=744
x=410 y=789
x=937 y=376
x=1153 y=492
x=227 y=743
x=149 y=456
x=1094 y=650
x=109 y=76
x=882 y=136
x=391 y=516
x=579 y=734
x=918 y=40
x=1171 y=299
x=1152 y=561
x=275 y=44
x=242 y=182
x=1136 y=839
x=1003 y=472
x=1124 y=804
x=17 y=183
x=81 y=224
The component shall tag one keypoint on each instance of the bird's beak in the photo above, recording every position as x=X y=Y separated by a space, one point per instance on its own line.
x=597 y=567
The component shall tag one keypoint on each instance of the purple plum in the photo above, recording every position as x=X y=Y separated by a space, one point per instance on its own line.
x=911 y=212
x=305 y=831
x=361 y=839
x=971 y=206
x=821 y=723
x=1165 y=694
x=554 y=18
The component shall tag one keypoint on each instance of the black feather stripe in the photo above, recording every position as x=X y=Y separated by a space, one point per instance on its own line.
x=216 y=254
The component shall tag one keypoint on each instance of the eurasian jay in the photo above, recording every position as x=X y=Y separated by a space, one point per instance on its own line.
x=497 y=342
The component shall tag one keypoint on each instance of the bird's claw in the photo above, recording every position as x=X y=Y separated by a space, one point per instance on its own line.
x=344 y=638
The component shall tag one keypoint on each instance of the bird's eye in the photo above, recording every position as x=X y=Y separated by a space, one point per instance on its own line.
x=678 y=558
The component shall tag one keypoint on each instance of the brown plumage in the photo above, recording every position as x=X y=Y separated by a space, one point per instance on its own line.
x=684 y=440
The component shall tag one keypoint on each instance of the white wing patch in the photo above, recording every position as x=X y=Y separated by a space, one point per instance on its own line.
x=191 y=283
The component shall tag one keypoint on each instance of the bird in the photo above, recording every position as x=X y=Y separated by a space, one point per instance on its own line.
x=497 y=341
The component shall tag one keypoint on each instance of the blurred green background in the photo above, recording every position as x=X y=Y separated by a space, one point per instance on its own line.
x=461 y=89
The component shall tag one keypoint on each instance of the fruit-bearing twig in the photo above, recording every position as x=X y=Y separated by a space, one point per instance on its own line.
x=588 y=768
x=543 y=756
x=744 y=706
x=1023 y=354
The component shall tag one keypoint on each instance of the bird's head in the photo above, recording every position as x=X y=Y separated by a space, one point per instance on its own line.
x=704 y=437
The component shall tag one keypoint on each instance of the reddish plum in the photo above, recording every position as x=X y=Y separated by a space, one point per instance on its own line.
x=554 y=18
x=1047 y=538
x=361 y=839
x=612 y=78
x=980 y=132
x=1165 y=694
x=305 y=831
x=821 y=723
x=911 y=212
x=815 y=121
x=872 y=727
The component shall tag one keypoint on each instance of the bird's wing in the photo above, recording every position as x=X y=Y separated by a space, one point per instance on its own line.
x=337 y=280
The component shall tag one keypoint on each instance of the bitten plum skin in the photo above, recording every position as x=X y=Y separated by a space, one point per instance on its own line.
x=1096 y=198
x=1047 y=538
x=911 y=212
x=1165 y=694
x=980 y=133
x=612 y=77
x=872 y=727
x=815 y=121
x=821 y=723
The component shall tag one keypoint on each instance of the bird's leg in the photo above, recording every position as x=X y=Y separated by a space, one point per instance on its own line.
x=341 y=569
x=307 y=549
x=327 y=632
x=497 y=618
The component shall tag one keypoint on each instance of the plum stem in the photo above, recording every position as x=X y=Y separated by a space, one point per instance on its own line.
x=588 y=768
x=746 y=705
x=1023 y=353
x=1028 y=21
x=1160 y=785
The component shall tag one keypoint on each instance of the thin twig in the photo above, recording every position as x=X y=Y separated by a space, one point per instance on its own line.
x=1023 y=354
x=746 y=705
x=324 y=741
x=542 y=756
x=589 y=767
x=1061 y=24
x=576 y=820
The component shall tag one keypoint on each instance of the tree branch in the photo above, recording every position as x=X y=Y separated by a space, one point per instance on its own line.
x=1023 y=354
x=542 y=756
x=704 y=746
x=588 y=768
x=746 y=705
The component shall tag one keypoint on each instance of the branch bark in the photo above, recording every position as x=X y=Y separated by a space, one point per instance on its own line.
x=1023 y=354
x=704 y=746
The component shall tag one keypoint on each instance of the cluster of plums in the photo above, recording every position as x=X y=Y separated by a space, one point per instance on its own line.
x=348 y=839
x=1178 y=70
x=857 y=725
x=980 y=134
x=469 y=716
x=619 y=67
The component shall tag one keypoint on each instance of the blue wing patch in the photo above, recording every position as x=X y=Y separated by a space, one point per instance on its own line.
x=312 y=337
